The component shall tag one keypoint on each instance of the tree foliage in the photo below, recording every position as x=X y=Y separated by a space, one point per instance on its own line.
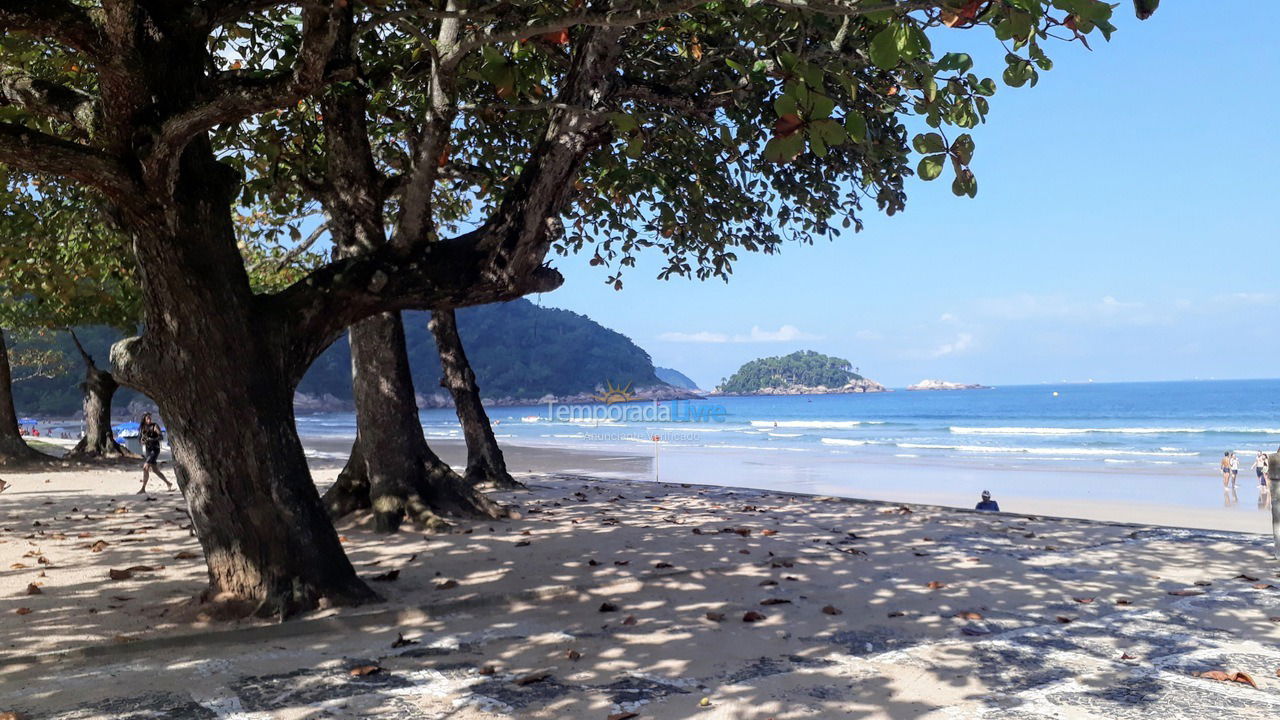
x=804 y=368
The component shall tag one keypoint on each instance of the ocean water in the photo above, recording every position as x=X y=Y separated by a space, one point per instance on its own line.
x=1165 y=427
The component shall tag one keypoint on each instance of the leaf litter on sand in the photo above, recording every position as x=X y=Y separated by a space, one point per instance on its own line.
x=1220 y=676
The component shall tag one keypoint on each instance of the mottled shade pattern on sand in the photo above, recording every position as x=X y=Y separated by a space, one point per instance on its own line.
x=612 y=589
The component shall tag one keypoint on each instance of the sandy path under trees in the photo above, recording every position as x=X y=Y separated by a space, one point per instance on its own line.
x=932 y=612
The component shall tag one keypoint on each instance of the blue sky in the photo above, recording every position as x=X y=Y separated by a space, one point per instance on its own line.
x=1125 y=229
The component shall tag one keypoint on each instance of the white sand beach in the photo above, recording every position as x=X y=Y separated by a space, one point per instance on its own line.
x=615 y=596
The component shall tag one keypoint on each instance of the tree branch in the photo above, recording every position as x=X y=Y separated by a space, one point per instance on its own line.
x=48 y=99
x=36 y=152
x=61 y=20
x=233 y=96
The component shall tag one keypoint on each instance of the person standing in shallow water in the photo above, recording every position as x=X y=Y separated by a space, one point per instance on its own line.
x=1225 y=466
x=150 y=435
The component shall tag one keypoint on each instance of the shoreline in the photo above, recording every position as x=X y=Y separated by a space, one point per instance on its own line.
x=1192 y=501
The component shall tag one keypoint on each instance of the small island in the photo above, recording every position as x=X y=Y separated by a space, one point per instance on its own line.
x=944 y=385
x=801 y=373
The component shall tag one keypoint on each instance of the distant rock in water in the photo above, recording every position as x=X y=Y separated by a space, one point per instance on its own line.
x=801 y=373
x=944 y=385
x=675 y=378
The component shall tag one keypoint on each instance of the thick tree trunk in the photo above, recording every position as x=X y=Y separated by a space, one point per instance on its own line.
x=484 y=458
x=13 y=449
x=391 y=470
x=222 y=368
x=99 y=387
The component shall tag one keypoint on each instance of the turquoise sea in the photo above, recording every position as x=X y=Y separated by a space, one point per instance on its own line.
x=1182 y=427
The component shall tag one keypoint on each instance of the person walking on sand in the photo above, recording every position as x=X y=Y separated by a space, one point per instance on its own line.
x=150 y=435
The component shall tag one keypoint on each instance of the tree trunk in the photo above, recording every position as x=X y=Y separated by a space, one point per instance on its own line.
x=99 y=387
x=484 y=458
x=1273 y=488
x=391 y=470
x=13 y=449
x=222 y=367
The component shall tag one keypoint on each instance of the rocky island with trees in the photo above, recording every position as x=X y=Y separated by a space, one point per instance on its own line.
x=804 y=372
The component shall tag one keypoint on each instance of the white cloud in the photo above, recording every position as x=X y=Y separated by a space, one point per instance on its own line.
x=868 y=335
x=698 y=337
x=786 y=333
x=963 y=342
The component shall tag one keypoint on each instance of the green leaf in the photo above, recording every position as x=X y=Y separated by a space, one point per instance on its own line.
x=816 y=145
x=928 y=143
x=829 y=131
x=785 y=104
x=856 y=126
x=784 y=149
x=930 y=166
x=822 y=106
x=962 y=148
x=736 y=66
x=635 y=147
x=885 y=51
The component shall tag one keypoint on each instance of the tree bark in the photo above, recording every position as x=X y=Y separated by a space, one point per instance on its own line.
x=392 y=471
x=484 y=458
x=99 y=387
x=13 y=449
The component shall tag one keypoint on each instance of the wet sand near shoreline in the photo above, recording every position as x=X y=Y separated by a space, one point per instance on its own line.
x=1122 y=494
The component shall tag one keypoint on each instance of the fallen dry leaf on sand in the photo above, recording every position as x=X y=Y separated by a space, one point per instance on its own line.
x=573 y=655
x=769 y=533
x=968 y=615
x=775 y=601
x=1127 y=656
x=487 y=670
x=608 y=607
x=1083 y=600
x=143 y=568
x=401 y=642
x=447 y=585
x=23 y=611
x=832 y=610
x=119 y=574
x=1064 y=619
x=715 y=616
x=1186 y=593
x=935 y=585
x=629 y=620
x=365 y=670
x=184 y=555
x=752 y=616
x=1242 y=678
x=662 y=566
x=973 y=631
x=33 y=589
x=533 y=677
x=623 y=716
x=98 y=546
x=1202 y=583
x=1246 y=578
x=896 y=614
x=1263 y=586
x=20 y=716
x=388 y=576
x=1123 y=601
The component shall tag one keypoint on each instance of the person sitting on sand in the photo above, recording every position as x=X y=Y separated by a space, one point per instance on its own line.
x=987 y=503
x=150 y=435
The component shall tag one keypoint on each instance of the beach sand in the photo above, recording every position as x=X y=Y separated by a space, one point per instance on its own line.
x=631 y=597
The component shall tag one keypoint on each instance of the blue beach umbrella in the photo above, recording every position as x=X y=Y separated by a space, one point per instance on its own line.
x=125 y=430
x=28 y=421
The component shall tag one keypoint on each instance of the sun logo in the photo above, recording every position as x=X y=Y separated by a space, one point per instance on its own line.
x=613 y=394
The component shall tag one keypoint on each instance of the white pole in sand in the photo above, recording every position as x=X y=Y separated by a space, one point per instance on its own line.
x=657 y=440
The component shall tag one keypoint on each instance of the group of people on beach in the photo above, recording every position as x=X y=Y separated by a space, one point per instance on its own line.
x=1230 y=467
